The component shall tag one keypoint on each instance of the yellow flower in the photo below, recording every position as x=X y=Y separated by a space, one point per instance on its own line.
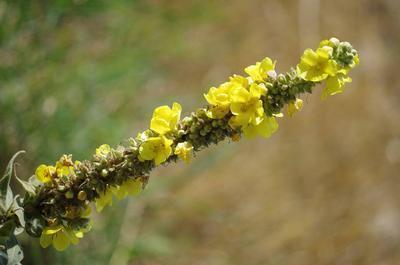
x=335 y=85
x=332 y=42
x=356 y=61
x=317 y=66
x=238 y=80
x=258 y=72
x=294 y=107
x=246 y=105
x=184 y=151
x=118 y=192
x=155 y=148
x=45 y=173
x=130 y=187
x=133 y=186
x=104 y=200
x=165 y=119
x=103 y=150
x=60 y=236
x=265 y=128
x=63 y=170
x=219 y=100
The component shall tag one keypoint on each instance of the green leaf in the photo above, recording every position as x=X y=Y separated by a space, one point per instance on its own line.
x=6 y=196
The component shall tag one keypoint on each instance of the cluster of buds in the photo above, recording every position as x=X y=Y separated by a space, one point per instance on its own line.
x=57 y=208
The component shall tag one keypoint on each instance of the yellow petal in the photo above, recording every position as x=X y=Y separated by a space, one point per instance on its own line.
x=165 y=118
x=240 y=95
x=162 y=155
x=309 y=57
x=51 y=230
x=239 y=80
x=267 y=127
x=72 y=236
x=267 y=65
x=331 y=68
x=258 y=72
x=119 y=192
x=254 y=71
x=217 y=112
x=104 y=200
x=160 y=126
x=210 y=96
x=42 y=173
x=256 y=91
x=184 y=151
x=295 y=106
x=45 y=240
x=63 y=171
x=133 y=187
x=324 y=52
x=61 y=241
x=176 y=108
x=335 y=85
x=78 y=234
x=147 y=150
x=103 y=150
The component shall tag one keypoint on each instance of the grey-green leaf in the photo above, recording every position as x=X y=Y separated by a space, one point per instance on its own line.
x=3 y=257
x=6 y=196
x=14 y=251
x=27 y=186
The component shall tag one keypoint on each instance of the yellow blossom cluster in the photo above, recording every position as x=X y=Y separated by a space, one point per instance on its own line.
x=164 y=125
x=242 y=97
x=321 y=64
x=129 y=187
x=59 y=235
x=63 y=169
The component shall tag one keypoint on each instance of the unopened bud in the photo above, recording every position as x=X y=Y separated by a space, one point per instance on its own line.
x=69 y=194
x=272 y=74
x=82 y=195
x=334 y=41
x=104 y=173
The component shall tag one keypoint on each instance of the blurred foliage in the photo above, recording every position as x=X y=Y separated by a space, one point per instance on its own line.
x=323 y=190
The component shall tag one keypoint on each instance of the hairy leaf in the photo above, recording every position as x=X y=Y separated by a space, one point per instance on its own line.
x=6 y=196
x=14 y=251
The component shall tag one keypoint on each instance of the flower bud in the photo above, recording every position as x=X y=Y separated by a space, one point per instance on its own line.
x=104 y=173
x=82 y=195
x=334 y=41
x=69 y=194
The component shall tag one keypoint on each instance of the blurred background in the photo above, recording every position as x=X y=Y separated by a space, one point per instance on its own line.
x=324 y=189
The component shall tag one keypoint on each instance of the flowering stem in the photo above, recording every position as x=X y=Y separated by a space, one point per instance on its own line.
x=58 y=200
